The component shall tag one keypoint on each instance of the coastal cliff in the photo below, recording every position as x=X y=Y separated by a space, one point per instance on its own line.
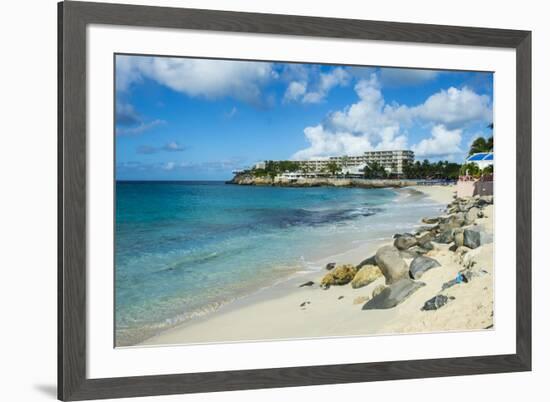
x=250 y=180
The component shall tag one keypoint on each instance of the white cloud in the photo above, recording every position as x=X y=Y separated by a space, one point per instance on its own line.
x=327 y=81
x=295 y=90
x=366 y=125
x=211 y=79
x=442 y=142
x=372 y=124
x=455 y=107
x=311 y=86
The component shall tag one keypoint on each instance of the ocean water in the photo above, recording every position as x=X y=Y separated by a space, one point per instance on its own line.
x=183 y=249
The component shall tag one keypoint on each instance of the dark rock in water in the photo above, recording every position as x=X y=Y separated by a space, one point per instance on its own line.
x=421 y=264
x=340 y=298
x=309 y=283
x=472 y=238
x=404 y=242
x=393 y=295
x=430 y=221
x=368 y=261
x=304 y=304
x=391 y=264
x=435 y=302
x=330 y=266
x=445 y=237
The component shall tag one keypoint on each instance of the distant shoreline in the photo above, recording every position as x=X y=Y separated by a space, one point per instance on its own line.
x=247 y=180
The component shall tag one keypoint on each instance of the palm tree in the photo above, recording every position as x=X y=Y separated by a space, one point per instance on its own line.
x=333 y=167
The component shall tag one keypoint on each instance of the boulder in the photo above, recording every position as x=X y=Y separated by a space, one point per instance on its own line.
x=435 y=302
x=453 y=221
x=472 y=238
x=308 y=283
x=366 y=275
x=484 y=200
x=473 y=214
x=377 y=290
x=340 y=275
x=425 y=247
x=393 y=295
x=367 y=261
x=391 y=264
x=430 y=221
x=458 y=238
x=330 y=266
x=404 y=242
x=445 y=237
x=420 y=265
x=360 y=299
x=424 y=238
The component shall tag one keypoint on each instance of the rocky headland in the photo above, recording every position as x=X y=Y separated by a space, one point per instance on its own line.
x=251 y=180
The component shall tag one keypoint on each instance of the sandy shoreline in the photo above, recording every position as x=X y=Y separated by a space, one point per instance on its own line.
x=289 y=311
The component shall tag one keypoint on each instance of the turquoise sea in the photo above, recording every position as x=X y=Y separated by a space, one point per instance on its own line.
x=183 y=249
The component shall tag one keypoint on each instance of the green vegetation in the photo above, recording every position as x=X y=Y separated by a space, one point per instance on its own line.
x=333 y=168
x=428 y=170
x=375 y=171
x=481 y=145
x=273 y=168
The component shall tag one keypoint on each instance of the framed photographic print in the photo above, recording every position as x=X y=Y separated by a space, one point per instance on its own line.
x=256 y=201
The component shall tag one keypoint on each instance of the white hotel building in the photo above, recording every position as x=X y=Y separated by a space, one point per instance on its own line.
x=391 y=161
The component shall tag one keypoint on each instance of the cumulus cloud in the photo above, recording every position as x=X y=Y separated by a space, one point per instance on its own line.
x=314 y=86
x=295 y=91
x=441 y=143
x=367 y=125
x=455 y=107
x=372 y=124
x=211 y=79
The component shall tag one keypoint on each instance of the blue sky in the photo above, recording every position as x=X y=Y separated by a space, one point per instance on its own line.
x=199 y=119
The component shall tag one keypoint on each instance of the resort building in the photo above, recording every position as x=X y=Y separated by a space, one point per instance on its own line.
x=392 y=161
x=481 y=159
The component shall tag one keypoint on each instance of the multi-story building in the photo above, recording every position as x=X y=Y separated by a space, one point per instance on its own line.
x=391 y=161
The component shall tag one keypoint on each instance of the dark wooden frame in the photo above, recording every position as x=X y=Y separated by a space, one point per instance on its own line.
x=73 y=17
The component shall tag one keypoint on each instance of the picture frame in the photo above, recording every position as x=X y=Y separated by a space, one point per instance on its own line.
x=73 y=20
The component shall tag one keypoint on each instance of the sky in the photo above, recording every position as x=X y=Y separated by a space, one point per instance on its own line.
x=200 y=119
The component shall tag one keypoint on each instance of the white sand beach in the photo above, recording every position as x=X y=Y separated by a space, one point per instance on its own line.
x=289 y=311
